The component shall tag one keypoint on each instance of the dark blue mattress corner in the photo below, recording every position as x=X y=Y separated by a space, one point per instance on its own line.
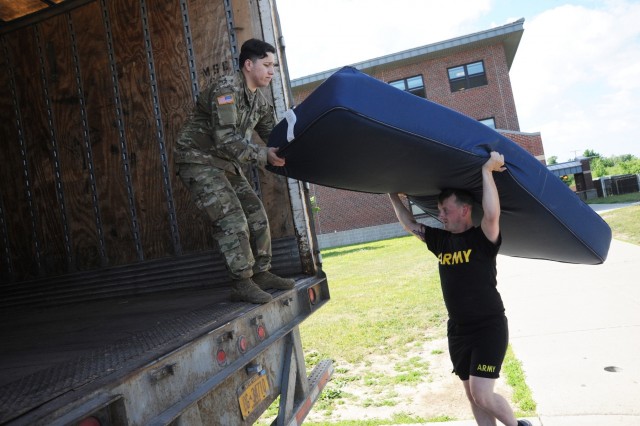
x=357 y=133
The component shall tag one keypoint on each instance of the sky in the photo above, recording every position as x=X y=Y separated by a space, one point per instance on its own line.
x=575 y=76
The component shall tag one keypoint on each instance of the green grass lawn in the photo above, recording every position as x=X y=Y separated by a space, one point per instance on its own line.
x=625 y=223
x=624 y=198
x=384 y=295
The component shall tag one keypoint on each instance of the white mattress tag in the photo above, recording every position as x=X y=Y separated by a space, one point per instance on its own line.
x=290 y=116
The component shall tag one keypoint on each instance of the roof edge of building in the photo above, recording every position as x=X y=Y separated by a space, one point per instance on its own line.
x=501 y=32
x=515 y=132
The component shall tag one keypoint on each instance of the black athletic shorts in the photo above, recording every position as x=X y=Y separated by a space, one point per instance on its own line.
x=478 y=348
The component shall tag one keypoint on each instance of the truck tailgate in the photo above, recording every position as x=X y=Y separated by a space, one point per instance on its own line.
x=51 y=351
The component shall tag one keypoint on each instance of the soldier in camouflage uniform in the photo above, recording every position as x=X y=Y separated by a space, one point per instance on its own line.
x=211 y=150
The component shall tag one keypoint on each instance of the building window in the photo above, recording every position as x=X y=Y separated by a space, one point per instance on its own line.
x=489 y=122
x=467 y=76
x=413 y=85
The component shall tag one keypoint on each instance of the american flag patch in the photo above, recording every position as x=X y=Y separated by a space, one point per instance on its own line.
x=225 y=99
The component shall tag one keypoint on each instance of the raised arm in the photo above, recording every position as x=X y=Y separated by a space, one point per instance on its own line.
x=405 y=217
x=490 y=199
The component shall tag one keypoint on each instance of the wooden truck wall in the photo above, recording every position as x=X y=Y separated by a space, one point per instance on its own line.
x=90 y=104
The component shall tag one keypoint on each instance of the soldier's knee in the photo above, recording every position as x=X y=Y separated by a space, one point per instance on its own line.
x=233 y=222
x=258 y=221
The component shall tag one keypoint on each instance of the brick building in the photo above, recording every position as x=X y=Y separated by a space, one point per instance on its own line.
x=469 y=74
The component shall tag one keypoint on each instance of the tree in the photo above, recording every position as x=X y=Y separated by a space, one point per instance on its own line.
x=315 y=209
x=628 y=167
x=552 y=160
x=615 y=165
x=598 y=168
x=590 y=153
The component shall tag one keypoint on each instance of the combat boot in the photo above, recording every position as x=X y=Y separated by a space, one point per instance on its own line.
x=266 y=280
x=245 y=290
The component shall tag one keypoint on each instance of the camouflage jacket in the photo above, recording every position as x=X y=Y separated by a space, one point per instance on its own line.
x=218 y=131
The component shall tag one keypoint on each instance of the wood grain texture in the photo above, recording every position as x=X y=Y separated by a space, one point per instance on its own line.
x=67 y=119
x=19 y=245
x=174 y=90
x=71 y=121
x=140 y=128
x=39 y=152
x=103 y=134
x=210 y=40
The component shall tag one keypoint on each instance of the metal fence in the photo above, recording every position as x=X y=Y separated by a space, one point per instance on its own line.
x=617 y=185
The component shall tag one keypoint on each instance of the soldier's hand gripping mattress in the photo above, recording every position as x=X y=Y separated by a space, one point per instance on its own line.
x=357 y=133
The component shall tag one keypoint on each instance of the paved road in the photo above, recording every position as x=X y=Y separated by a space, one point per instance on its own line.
x=601 y=208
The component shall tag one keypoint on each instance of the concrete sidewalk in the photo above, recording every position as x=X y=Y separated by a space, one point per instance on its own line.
x=576 y=329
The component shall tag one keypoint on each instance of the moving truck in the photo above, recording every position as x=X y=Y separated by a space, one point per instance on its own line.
x=113 y=296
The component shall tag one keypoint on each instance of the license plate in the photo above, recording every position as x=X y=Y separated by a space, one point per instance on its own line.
x=255 y=391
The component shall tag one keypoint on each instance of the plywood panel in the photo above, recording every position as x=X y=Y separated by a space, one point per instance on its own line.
x=66 y=108
x=96 y=227
x=18 y=250
x=210 y=40
x=140 y=128
x=174 y=88
x=246 y=20
x=103 y=134
x=275 y=197
x=39 y=152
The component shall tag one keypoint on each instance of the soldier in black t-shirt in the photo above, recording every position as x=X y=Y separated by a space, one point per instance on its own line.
x=477 y=329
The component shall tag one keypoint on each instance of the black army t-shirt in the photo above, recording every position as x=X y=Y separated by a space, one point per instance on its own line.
x=467 y=265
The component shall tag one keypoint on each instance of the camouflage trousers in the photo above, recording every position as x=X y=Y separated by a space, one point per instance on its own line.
x=240 y=223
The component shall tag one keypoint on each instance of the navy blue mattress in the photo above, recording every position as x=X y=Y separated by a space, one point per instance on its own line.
x=357 y=133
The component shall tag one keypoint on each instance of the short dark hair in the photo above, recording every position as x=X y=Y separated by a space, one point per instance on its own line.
x=462 y=196
x=254 y=49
